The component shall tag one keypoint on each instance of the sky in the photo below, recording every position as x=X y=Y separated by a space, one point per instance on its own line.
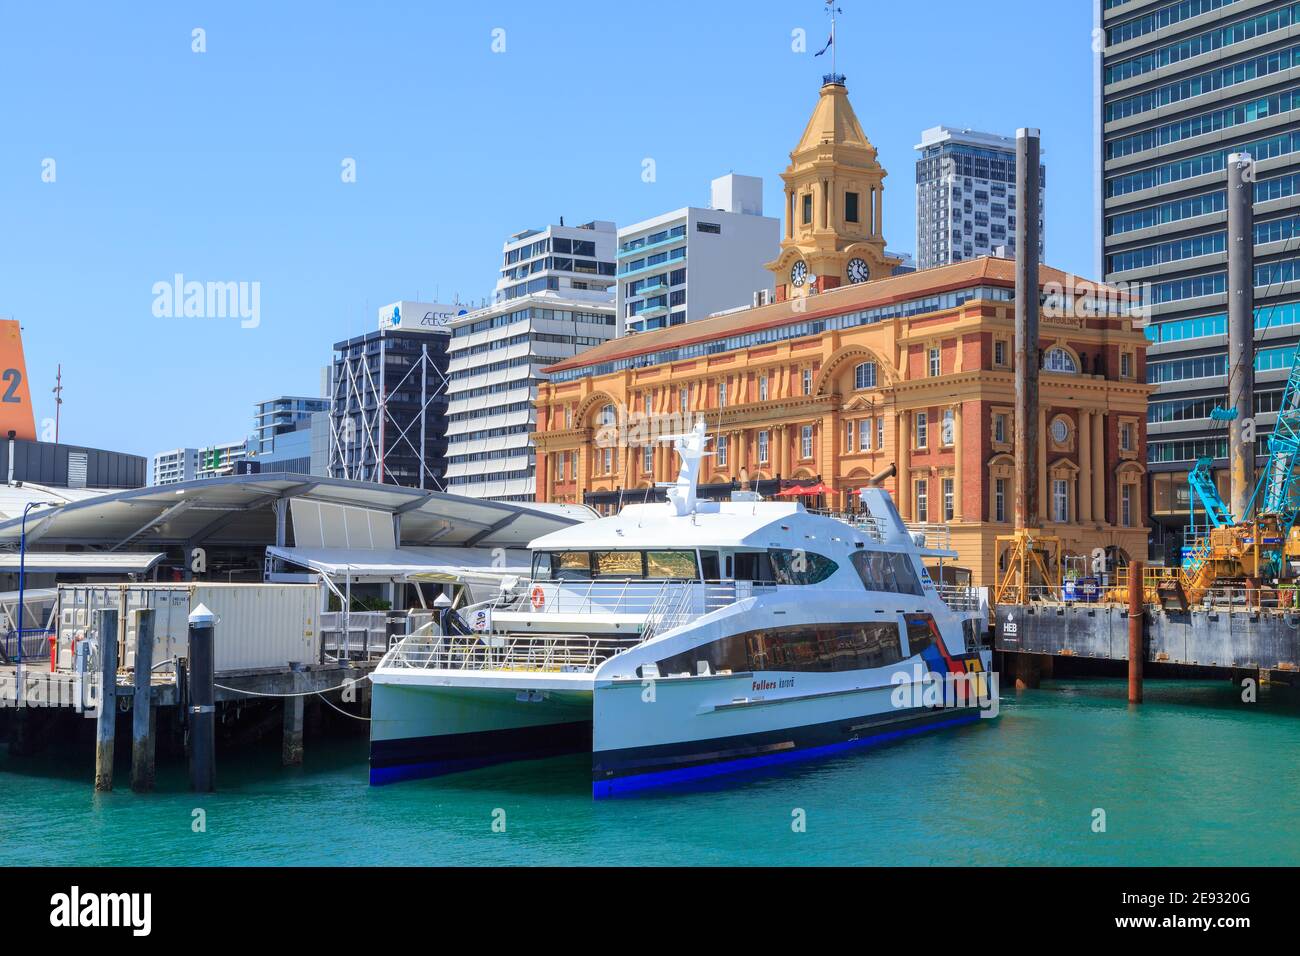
x=464 y=123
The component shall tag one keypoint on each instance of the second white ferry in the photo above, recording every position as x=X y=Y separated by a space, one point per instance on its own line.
x=690 y=638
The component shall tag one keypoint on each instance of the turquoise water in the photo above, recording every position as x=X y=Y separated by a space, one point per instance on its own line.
x=1191 y=777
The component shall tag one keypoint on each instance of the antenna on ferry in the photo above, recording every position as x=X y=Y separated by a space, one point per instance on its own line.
x=690 y=446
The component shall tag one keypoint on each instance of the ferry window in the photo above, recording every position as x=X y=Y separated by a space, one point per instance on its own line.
x=570 y=565
x=542 y=566
x=753 y=566
x=678 y=565
x=920 y=632
x=824 y=648
x=617 y=564
x=886 y=571
x=709 y=565
x=800 y=567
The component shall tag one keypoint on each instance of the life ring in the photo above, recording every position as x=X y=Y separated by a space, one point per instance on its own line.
x=538 y=598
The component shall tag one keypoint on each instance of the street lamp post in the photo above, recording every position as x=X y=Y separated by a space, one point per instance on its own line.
x=22 y=565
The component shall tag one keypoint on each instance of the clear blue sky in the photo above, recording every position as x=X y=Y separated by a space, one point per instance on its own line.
x=225 y=165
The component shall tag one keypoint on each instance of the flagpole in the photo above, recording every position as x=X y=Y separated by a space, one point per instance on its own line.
x=833 y=50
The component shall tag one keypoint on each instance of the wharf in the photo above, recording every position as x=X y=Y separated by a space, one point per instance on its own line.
x=1236 y=637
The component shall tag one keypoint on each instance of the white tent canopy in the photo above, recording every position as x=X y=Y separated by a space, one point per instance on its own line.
x=249 y=511
x=80 y=562
x=423 y=564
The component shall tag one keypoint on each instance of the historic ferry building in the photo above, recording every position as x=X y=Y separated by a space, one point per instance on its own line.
x=853 y=368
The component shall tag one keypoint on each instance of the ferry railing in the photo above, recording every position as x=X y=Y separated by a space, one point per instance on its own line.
x=959 y=597
x=551 y=653
x=869 y=525
x=503 y=649
x=927 y=534
x=937 y=537
x=672 y=612
x=609 y=596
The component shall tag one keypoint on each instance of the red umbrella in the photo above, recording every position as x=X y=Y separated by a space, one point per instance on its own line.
x=796 y=491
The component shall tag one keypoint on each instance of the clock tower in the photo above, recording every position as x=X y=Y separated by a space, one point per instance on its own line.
x=834 y=186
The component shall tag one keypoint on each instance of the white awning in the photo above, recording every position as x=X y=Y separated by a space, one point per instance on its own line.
x=80 y=562
x=423 y=564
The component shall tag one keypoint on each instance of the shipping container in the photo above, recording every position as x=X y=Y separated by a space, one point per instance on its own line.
x=258 y=625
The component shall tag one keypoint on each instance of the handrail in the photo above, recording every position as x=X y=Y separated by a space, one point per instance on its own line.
x=550 y=653
x=958 y=597
x=610 y=596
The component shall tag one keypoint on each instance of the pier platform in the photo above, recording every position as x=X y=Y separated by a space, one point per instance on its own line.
x=1238 y=637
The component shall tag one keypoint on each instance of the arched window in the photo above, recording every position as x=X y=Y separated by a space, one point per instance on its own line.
x=864 y=376
x=607 y=415
x=1059 y=360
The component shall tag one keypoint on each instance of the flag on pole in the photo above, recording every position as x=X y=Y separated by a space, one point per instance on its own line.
x=832 y=10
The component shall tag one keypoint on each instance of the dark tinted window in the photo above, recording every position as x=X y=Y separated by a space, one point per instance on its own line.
x=800 y=567
x=920 y=632
x=753 y=566
x=709 y=565
x=886 y=571
x=829 y=647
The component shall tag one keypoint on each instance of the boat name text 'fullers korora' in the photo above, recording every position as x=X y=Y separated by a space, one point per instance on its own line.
x=691 y=638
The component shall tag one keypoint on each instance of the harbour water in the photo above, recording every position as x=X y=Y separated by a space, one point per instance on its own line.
x=1194 y=776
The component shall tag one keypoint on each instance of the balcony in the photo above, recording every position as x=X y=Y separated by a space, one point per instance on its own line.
x=632 y=253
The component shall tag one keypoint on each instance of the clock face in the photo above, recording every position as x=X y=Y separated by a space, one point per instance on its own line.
x=858 y=271
x=799 y=274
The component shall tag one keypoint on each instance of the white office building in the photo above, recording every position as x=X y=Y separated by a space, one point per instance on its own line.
x=185 y=464
x=557 y=259
x=966 y=196
x=177 y=464
x=496 y=355
x=690 y=263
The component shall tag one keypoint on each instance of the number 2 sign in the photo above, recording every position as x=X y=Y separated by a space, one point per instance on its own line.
x=15 y=400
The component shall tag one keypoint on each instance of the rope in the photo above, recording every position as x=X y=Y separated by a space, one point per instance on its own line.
x=308 y=693
x=319 y=693
x=344 y=712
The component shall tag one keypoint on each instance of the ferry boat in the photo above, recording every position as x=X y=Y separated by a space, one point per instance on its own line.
x=690 y=638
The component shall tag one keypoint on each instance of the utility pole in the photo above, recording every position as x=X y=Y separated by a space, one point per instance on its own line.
x=1241 y=330
x=1027 y=512
x=58 y=400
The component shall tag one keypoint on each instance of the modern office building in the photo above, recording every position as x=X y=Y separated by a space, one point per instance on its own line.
x=218 y=461
x=176 y=464
x=388 y=398
x=282 y=416
x=966 y=196
x=558 y=259
x=1183 y=85
x=186 y=464
x=497 y=354
x=691 y=263
x=281 y=439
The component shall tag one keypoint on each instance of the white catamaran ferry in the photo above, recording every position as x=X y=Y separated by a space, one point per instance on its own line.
x=688 y=638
